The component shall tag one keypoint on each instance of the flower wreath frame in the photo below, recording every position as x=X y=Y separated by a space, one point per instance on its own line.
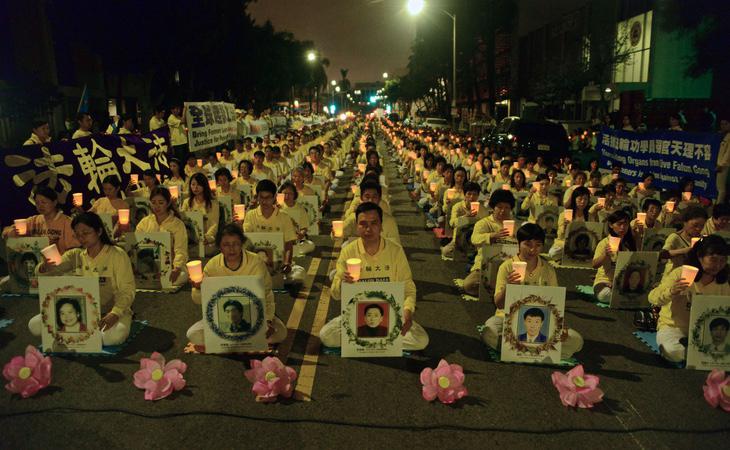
x=699 y=325
x=266 y=245
x=91 y=308
x=381 y=343
x=641 y=265
x=521 y=347
x=571 y=242
x=654 y=238
x=24 y=248
x=166 y=258
x=244 y=335
x=198 y=231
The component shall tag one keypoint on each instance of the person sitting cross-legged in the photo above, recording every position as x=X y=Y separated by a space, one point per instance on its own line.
x=382 y=260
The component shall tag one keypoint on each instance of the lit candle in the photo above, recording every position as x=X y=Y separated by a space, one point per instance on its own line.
x=614 y=242
x=505 y=187
x=21 y=226
x=52 y=254
x=642 y=186
x=689 y=273
x=686 y=196
x=78 y=199
x=174 y=191
x=361 y=168
x=200 y=163
x=509 y=225
x=134 y=177
x=670 y=206
x=475 y=207
x=123 y=216
x=234 y=173
x=212 y=185
x=218 y=155
x=693 y=241
x=280 y=198
x=536 y=185
x=494 y=172
x=239 y=211
x=450 y=193
x=568 y=182
x=337 y=228
x=354 y=189
x=602 y=201
x=521 y=268
x=641 y=218
x=516 y=165
x=433 y=186
x=353 y=267
x=568 y=215
x=195 y=271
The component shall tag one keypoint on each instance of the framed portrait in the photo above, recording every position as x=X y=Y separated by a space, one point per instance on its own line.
x=311 y=204
x=492 y=257
x=654 y=238
x=708 y=345
x=70 y=314
x=23 y=255
x=372 y=319
x=533 y=324
x=521 y=214
x=226 y=206
x=141 y=208
x=151 y=256
x=234 y=314
x=547 y=218
x=269 y=246
x=108 y=221
x=581 y=238
x=633 y=278
x=195 y=226
x=245 y=190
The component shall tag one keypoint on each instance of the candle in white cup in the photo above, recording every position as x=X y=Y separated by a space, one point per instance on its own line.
x=516 y=165
x=689 y=273
x=361 y=167
x=353 y=267
x=123 y=216
x=134 y=178
x=200 y=163
x=510 y=226
x=174 y=191
x=568 y=182
x=78 y=199
x=21 y=226
x=280 y=198
x=568 y=215
x=670 y=206
x=195 y=271
x=51 y=253
x=642 y=186
x=536 y=185
x=602 y=201
x=641 y=218
x=693 y=241
x=475 y=207
x=521 y=268
x=450 y=193
x=614 y=242
x=686 y=196
x=212 y=185
x=239 y=211
x=505 y=187
x=433 y=186
x=337 y=228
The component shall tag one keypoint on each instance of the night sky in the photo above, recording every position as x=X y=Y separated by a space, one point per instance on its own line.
x=368 y=37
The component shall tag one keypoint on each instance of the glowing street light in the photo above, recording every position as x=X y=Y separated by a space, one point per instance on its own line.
x=415 y=6
x=337 y=89
x=333 y=82
x=385 y=75
x=311 y=56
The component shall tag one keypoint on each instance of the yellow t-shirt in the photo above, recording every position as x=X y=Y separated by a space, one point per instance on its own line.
x=542 y=275
x=389 y=230
x=298 y=214
x=178 y=235
x=177 y=131
x=675 y=310
x=532 y=201
x=252 y=265
x=255 y=222
x=58 y=230
x=675 y=241
x=156 y=123
x=103 y=206
x=78 y=134
x=114 y=269
x=480 y=235
x=389 y=264
x=211 y=216
x=603 y=276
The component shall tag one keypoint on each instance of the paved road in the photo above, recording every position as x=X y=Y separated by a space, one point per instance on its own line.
x=370 y=403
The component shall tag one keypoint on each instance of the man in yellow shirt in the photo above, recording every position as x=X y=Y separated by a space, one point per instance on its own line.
x=85 y=123
x=157 y=120
x=382 y=260
x=371 y=192
x=40 y=133
x=260 y=171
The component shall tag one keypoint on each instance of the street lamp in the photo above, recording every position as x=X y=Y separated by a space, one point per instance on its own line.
x=385 y=75
x=333 y=82
x=414 y=8
x=311 y=56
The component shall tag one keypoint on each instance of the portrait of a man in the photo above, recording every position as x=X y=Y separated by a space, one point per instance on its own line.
x=234 y=320
x=375 y=325
x=719 y=327
x=533 y=320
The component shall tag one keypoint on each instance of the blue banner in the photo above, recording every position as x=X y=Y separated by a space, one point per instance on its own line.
x=669 y=155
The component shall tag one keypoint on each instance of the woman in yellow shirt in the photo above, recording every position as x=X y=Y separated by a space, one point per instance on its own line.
x=460 y=209
x=98 y=256
x=604 y=258
x=538 y=197
x=223 y=179
x=531 y=239
x=177 y=178
x=233 y=260
x=678 y=244
x=50 y=221
x=487 y=231
x=675 y=294
x=580 y=199
x=201 y=199
x=298 y=215
x=112 y=200
x=165 y=217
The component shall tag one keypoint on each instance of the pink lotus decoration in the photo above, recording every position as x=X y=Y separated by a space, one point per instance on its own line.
x=28 y=374
x=159 y=379
x=717 y=390
x=271 y=378
x=445 y=382
x=578 y=388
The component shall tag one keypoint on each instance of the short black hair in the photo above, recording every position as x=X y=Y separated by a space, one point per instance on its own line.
x=75 y=305
x=368 y=206
x=230 y=229
x=46 y=192
x=530 y=231
x=223 y=171
x=365 y=185
x=373 y=306
x=289 y=185
x=534 y=312
x=694 y=212
x=720 y=322
x=259 y=153
x=266 y=186
x=502 y=196
x=649 y=202
x=471 y=186
x=38 y=123
x=235 y=303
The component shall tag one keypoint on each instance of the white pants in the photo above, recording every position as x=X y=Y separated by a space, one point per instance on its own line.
x=492 y=336
x=115 y=335
x=196 y=335
x=603 y=293
x=304 y=247
x=472 y=282
x=331 y=335
x=669 y=346
x=182 y=278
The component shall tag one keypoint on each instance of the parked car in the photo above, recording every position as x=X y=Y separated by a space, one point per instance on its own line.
x=436 y=123
x=531 y=137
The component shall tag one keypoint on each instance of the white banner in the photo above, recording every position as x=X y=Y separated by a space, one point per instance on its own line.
x=210 y=124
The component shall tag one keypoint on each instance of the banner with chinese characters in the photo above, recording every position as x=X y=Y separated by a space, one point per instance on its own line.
x=78 y=165
x=210 y=124
x=669 y=155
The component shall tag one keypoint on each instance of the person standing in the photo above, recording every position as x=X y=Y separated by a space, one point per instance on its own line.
x=178 y=135
x=85 y=122
x=157 y=120
x=723 y=161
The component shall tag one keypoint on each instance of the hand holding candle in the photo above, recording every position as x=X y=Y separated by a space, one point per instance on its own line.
x=52 y=254
x=521 y=268
x=78 y=199
x=337 y=226
x=613 y=243
x=353 y=268
x=239 y=211
x=509 y=225
x=568 y=215
x=475 y=207
x=195 y=271
x=21 y=226
x=123 y=216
